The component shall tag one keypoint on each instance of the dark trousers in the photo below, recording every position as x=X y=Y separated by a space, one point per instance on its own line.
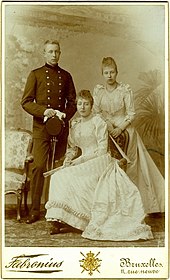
x=42 y=151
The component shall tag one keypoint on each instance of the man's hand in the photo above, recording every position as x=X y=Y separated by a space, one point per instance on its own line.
x=49 y=113
x=60 y=115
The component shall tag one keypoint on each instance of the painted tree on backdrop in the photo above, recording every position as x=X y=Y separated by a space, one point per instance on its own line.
x=150 y=120
x=21 y=56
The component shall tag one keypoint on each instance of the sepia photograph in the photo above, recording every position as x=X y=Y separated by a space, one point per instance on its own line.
x=85 y=139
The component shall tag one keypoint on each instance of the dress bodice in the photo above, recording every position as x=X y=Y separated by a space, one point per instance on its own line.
x=90 y=136
x=116 y=106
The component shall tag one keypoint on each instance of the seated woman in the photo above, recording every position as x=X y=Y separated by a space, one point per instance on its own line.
x=92 y=193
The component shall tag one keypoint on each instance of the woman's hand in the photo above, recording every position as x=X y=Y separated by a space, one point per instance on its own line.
x=116 y=132
x=67 y=162
x=122 y=163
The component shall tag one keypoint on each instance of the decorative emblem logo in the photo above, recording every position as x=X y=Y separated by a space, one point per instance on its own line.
x=90 y=262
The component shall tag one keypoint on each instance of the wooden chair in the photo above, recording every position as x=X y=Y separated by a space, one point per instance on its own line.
x=18 y=145
x=122 y=141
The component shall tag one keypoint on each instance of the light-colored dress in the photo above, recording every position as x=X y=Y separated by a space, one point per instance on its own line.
x=95 y=195
x=116 y=107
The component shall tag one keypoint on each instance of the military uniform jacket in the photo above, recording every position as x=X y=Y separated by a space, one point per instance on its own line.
x=48 y=87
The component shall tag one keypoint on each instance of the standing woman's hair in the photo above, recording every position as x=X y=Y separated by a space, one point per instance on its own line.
x=109 y=61
x=85 y=94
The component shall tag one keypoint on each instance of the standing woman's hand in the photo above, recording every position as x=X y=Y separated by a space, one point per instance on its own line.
x=116 y=132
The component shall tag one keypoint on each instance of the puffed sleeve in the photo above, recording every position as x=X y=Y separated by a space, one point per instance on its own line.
x=129 y=104
x=72 y=149
x=101 y=132
x=97 y=99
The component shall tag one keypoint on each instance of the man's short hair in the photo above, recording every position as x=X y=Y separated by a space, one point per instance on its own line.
x=52 y=42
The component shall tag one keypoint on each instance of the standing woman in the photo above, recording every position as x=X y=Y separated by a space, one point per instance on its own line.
x=114 y=102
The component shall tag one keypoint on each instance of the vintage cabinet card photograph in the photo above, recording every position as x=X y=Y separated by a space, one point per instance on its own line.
x=84 y=140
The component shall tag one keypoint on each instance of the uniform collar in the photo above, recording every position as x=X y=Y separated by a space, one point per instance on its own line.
x=52 y=67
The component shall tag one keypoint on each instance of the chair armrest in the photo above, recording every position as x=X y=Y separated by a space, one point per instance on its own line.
x=29 y=159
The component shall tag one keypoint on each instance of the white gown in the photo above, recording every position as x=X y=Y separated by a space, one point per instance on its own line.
x=115 y=108
x=95 y=195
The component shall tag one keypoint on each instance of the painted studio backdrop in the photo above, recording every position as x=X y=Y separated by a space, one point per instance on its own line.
x=133 y=34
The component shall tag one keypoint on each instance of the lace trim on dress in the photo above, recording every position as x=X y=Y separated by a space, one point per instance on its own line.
x=94 y=232
x=55 y=204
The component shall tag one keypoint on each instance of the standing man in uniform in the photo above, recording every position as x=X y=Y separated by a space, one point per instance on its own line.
x=47 y=89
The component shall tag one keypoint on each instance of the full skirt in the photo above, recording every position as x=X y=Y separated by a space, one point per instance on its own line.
x=145 y=175
x=98 y=198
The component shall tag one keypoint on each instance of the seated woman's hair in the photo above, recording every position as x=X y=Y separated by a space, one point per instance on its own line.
x=109 y=61
x=86 y=94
